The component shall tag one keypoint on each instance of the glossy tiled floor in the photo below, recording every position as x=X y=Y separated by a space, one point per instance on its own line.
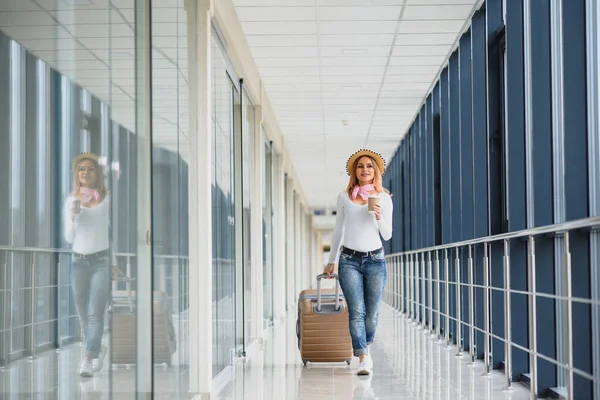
x=53 y=375
x=408 y=365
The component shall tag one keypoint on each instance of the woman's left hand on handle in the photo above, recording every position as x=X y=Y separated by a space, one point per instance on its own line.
x=116 y=272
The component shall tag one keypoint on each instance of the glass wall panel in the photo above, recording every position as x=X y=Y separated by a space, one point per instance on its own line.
x=68 y=164
x=223 y=228
x=170 y=216
x=247 y=164
x=267 y=224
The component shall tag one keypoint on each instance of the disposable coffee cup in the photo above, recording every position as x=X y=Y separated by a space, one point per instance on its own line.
x=77 y=206
x=372 y=201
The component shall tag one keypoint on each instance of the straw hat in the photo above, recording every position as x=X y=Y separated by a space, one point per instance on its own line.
x=365 y=152
x=84 y=156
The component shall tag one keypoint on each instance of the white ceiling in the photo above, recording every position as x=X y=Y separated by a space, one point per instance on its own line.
x=92 y=43
x=368 y=62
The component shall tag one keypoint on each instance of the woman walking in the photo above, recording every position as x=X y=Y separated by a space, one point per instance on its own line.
x=86 y=216
x=364 y=216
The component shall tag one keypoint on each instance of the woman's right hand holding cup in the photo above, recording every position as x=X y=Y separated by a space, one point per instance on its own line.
x=75 y=209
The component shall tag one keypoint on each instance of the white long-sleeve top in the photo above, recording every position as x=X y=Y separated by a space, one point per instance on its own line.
x=88 y=233
x=357 y=229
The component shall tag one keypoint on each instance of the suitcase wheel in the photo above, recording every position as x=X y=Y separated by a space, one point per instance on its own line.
x=348 y=362
x=305 y=362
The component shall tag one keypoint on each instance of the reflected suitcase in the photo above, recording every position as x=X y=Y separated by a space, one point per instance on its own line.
x=122 y=311
x=322 y=325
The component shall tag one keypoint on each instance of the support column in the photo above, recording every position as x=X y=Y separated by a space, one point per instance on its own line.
x=290 y=241
x=279 y=288
x=199 y=14
x=257 y=149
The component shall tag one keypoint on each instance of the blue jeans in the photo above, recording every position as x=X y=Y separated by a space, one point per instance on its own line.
x=362 y=280
x=90 y=277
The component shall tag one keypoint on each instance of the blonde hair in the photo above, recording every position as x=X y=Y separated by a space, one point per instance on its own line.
x=100 y=185
x=377 y=180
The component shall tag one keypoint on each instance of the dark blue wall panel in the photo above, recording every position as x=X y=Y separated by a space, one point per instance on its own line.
x=515 y=130
x=576 y=177
x=480 y=149
x=541 y=107
x=445 y=156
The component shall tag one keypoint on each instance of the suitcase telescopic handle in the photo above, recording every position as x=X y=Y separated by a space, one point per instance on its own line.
x=127 y=281
x=337 y=291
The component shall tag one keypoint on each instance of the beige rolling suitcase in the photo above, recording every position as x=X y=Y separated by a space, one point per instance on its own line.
x=322 y=325
x=122 y=311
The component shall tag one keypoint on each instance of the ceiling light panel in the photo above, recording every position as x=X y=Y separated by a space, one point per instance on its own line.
x=405 y=90
x=253 y=14
x=437 y=12
x=291 y=71
x=274 y=3
x=418 y=60
x=281 y=40
x=410 y=78
x=412 y=69
x=352 y=71
x=121 y=43
x=272 y=52
x=353 y=62
x=340 y=80
x=427 y=38
x=421 y=50
x=440 y=2
x=287 y=62
x=347 y=52
x=443 y=26
x=356 y=40
x=292 y=88
x=280 y=28
x=370 y=13
x=99 y=31
x=357 y=27
x=364 y=3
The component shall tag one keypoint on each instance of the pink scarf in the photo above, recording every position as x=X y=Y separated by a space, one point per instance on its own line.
x=89 y=194
x=362 y=190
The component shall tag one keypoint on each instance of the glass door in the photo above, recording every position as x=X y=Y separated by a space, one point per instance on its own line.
x=268 y=236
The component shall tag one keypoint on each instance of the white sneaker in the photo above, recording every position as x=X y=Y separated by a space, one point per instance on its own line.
x=366 y=366
x=99 y=362
x=86 y=370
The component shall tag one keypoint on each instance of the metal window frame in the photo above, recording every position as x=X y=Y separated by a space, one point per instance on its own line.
x=593 y=103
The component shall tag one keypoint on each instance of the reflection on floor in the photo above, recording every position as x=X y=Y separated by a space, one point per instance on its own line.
x=53 y=375
x=407 y=365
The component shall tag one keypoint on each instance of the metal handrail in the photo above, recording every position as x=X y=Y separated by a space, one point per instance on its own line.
x=6 y=250
x=34 y=249
x=592 y=223
x=408 y=281
x=64 y=251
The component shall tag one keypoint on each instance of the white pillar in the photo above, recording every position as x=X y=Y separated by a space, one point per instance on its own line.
x=258 y=183
x=279 y=242
x=290 y=244
x=199 y=13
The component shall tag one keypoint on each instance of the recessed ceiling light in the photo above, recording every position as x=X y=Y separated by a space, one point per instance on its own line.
x=121 y=54
x=355 y=51
x=79 y=2
x=350 y=87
